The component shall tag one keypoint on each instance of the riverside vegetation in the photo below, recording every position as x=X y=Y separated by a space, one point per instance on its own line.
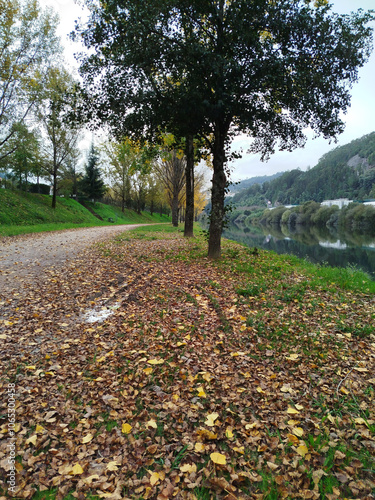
x=250 y=377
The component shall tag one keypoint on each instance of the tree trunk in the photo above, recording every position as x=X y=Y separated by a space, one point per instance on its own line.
x=54 y=188
x=175 y=211
x=217 y=194
x=189 y=179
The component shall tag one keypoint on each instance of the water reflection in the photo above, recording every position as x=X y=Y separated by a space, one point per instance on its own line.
x=319 y=245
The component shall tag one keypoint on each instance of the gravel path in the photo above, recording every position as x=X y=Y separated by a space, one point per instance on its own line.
x=26 y=258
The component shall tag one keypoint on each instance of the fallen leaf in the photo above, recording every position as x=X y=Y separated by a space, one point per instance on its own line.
x=87 y=438
x=218 y=458
x=126 y=428
x=302 y=450
x=210 y=419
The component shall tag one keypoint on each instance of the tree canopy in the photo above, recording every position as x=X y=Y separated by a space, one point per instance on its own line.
x=266 y=69
x=28 y=44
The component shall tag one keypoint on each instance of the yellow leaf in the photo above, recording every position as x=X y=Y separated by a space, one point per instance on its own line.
x=293 y=439
x=155 y=361
x=77 y=469
x=293 y=422
x=126 y=428
x=152 y=423
x=260 y=390
x=292 y=411
x=344 y=391
x=250 y=426
x=299 y=407
x=32 y=440
x=201 y=392
x=87 y=438
x=188 y=468
x=302 y=450
x=99 y=379
x=148 y=370
x=199 y=447
x=293 y=357
x=30 y=367
x=360 y=421
x=206 y=434
x=179 y=344
x=298 y=431
x=39 y=429
x=229 y=432
x=154 y=478
x=210 y=420
x=112 y=466
x=239 y=450
x=218 y=458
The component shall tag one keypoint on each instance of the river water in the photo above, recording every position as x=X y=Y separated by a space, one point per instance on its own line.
x=318 y=245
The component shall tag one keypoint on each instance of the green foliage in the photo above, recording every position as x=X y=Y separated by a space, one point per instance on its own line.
x=27 y=41
x=221 y=57
x=92 y=183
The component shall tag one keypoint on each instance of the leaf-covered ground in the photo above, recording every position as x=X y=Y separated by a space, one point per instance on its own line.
x=145 y=371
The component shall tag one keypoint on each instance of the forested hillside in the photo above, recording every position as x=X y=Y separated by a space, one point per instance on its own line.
x=236 y=187
x=345 y=172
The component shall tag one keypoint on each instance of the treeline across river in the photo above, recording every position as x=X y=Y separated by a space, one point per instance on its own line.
x=355 y=216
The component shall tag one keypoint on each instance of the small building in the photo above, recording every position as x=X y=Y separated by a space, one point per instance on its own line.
x=340 y=202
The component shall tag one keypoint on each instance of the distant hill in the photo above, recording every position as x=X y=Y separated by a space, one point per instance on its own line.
x=345 y=172
x=246 y=183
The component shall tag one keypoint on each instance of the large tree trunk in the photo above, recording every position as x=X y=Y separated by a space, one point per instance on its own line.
x=217 y=194
x=189 y=179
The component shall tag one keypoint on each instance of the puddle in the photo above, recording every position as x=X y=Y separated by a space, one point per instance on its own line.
x=99 y=315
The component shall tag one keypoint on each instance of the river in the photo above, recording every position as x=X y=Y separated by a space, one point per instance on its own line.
x=318 y=245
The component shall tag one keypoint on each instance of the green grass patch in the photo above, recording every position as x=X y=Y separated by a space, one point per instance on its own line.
x=23 y=213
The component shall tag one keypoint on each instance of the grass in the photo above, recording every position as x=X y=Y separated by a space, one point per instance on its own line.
x=23 y=213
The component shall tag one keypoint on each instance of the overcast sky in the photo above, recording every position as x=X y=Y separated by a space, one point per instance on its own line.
x=360 y=119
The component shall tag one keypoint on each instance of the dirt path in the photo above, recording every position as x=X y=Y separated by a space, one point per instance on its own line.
x=26 y=258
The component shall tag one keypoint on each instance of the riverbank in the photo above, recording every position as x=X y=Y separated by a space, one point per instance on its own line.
x=143 y=370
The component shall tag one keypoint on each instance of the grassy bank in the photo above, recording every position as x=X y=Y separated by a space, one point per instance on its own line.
x=247 y=378
x=22 y=213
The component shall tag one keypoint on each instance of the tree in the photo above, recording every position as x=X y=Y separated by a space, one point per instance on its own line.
x=61 y=136
x=92 y=183
x=171 y=169
x=25 y=159
x=28 y=42
x=265 y=69
x=121 y=158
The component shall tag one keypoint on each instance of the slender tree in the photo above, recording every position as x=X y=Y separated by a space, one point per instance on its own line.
x=28 y=44
x=60 y=136
x=171 y=171
x=265 y=69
